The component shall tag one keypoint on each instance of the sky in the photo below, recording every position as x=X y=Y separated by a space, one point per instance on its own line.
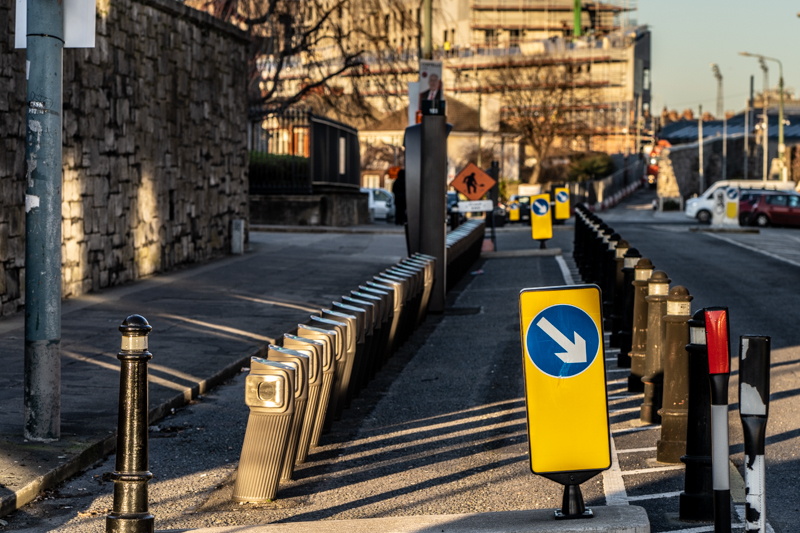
x=689 y=35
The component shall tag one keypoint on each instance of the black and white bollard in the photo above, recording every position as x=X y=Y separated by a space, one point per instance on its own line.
x=131 y=475
x=719 y=368
x=754 y=357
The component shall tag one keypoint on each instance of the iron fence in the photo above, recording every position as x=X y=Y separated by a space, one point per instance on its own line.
x=294 y=151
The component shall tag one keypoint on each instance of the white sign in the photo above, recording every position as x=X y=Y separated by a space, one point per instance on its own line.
x=430 y=81
x=476 y=206
x=413 y=102
x=79 y=24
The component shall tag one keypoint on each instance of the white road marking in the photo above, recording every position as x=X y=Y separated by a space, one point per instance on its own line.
x=613 y=484
x=651 y=470
x=633 y=430
x=753 y=249
x=653 y=496
x=564 y=270
x=626 y=410
x=634 y=450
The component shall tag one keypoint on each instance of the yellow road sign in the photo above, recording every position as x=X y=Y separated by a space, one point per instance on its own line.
x=541 y=221
x=565 y=379
x=562 y=203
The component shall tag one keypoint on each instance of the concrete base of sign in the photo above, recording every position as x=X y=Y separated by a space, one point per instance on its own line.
x=614 y=519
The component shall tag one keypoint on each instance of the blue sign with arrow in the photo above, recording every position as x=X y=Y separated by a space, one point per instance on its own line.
x=541 y=206
x=732 y=193
x=562 y=197
x=562 y=341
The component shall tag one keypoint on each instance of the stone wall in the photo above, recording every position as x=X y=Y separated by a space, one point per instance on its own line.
x=155 y=147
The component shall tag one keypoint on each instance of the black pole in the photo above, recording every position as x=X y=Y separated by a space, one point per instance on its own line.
x=130 y=512
x=696 y=502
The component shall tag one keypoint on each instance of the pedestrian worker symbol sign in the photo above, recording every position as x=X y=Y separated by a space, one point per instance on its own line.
x=565 y=381
x=562 y=341
x=473 y=182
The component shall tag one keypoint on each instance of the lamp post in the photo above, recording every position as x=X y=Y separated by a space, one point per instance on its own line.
x=721 y=111
x=781 y=147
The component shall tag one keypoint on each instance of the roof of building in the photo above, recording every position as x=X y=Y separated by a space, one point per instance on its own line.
x=460 y=115
x=685 y=131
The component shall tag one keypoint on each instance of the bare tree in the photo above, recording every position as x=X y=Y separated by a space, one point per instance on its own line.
x=545 y=101
x=321 y=52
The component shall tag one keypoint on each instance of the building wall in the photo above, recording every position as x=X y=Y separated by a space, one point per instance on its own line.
x=155 y=147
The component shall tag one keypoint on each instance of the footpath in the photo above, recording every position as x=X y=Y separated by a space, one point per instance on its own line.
x=435 y=442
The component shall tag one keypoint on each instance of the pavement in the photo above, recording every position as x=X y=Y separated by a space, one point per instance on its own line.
x=440 y=432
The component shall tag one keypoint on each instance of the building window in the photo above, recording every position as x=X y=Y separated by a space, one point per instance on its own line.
x=490 y=38
x=513 y=37
x=646 y=79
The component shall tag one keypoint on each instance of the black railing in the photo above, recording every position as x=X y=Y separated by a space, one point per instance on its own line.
x=293 y=151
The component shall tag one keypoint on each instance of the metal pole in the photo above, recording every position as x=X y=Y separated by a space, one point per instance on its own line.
x=781 y=146
x=700 y=143
x=724 y=147
x=42 y=382
x=427 y=29
x=765 y=123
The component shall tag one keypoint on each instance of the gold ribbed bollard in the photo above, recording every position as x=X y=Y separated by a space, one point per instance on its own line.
x=269 y=392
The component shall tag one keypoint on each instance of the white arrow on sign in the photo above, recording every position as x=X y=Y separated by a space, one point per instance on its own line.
x=575 y=351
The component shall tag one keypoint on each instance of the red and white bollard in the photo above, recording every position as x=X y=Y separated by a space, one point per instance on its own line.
x=719 y=368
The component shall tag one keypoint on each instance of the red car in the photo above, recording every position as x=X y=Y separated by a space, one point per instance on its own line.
x=771 y=208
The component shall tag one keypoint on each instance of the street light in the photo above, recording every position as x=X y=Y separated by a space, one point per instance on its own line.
x=721 y=111
x=781 y=147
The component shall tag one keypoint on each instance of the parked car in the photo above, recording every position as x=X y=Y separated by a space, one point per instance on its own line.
x=381 y=204
x=747 y=200
x=702 y=206
x=776 y=209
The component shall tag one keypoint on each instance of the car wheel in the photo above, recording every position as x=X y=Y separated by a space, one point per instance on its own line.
x=762 y=220
x=704 y=217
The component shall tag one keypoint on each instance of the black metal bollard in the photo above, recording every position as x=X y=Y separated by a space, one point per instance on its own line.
x=719 y=366
x=675 y=410
x=130 y=512
x=609 y=273
x=754 y=356
x=696 y=501
x=653 y=377
x=642 y=272
x=625 y=333
x=619 y=292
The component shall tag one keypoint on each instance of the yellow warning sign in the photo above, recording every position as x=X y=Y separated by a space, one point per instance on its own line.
x=565 y=379
x=541 y=218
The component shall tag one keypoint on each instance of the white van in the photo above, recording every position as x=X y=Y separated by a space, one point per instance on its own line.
x=702 y=206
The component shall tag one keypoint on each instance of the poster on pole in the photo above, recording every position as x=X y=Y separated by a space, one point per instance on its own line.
x=413 y=102
x=430 y=81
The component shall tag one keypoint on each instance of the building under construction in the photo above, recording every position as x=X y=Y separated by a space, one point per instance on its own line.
x=489 y=45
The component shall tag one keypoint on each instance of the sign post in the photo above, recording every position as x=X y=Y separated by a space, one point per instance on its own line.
x=564 y=369
x=473 y=182
x=541 y=220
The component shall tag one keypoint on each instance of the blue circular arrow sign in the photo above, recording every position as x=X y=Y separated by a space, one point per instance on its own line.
x=541 y=206
x=732 y=193
x=562 y=341
x=562 y=197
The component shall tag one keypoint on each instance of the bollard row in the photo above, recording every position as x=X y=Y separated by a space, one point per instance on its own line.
x=304 y=385
x=681 y=364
